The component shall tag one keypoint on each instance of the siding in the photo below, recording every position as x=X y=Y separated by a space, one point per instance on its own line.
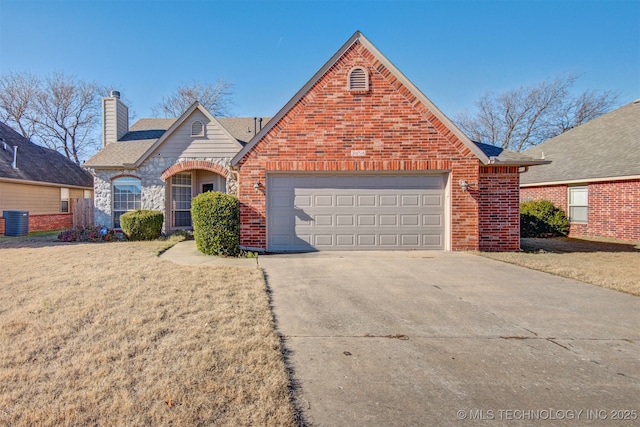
x=215 y=143
x=115 y=120
x=33 y=198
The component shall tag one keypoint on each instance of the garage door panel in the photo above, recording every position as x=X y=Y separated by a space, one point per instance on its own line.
x=309 y=212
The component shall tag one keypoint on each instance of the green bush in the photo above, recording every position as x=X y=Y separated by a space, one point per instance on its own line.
x=541 y=218
x=216 y=223
x=142 y=224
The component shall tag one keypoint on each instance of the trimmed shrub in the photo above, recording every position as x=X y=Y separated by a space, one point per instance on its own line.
x=541 y=218
x=142 y=224
x=216 y=223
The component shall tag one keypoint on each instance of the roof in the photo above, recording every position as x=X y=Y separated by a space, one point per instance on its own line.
x=37 y=163
x=500 y=156
x=359 y=37
x=607 y=147
x=145 y=134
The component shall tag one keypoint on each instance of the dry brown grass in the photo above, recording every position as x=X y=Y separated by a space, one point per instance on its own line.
x=108 y=334
x=608 y=263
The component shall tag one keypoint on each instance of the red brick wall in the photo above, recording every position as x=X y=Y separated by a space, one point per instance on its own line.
x=499 y=198
x=397 y=132
x=49 y=222
x=614 y=208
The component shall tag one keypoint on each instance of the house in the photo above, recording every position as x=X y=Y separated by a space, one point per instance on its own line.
x=162 y=163
x=360 y=159
x=594 y=175
x=39 y=181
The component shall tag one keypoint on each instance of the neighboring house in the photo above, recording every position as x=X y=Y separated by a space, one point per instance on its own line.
x=161 y=164
x=594 y=175
x=360 y=159
x=40 y=181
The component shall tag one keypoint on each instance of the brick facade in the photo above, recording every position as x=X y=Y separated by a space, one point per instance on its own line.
x=49 y=222
x=614 y=207
x=398 y=133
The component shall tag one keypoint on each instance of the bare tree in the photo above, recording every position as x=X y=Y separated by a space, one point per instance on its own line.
x=18 y=95
x=216 y=98
x=59 y=112
x=521 y=118
x=67 y=112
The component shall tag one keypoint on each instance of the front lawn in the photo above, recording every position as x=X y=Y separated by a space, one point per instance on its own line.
x=108 y=334
x=608 y=263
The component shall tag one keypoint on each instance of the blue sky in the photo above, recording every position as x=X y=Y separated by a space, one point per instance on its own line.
x=453 y=51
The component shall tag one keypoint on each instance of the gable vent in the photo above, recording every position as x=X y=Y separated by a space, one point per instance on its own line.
x=358 y=80
x=197 y=128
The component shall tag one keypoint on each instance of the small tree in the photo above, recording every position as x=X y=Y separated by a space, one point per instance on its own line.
x=216 y=223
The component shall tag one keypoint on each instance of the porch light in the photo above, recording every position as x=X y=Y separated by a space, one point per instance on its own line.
x=257 y=186
x=464 y=185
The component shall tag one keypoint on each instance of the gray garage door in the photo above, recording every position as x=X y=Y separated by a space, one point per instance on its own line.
x=355 y=212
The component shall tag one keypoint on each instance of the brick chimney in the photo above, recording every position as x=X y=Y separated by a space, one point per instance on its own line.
x=115 y=118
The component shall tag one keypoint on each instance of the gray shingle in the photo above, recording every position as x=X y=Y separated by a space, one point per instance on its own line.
x=606 y=147
x=36 y=163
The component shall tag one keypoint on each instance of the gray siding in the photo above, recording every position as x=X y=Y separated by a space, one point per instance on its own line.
x=215 y=143
x=115 y=120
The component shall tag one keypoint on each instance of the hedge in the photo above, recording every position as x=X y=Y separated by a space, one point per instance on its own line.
x=541 y=218
x=216 y=223
x=142 y=224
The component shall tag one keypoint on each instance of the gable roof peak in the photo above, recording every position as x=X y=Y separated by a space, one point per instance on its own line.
x=359 y=37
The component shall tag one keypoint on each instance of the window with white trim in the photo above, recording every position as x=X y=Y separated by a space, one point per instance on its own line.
x=64 y=200
x=578 y=204
x=181 y=200
x=358 y=80
x=197 y=128
x=127 y=196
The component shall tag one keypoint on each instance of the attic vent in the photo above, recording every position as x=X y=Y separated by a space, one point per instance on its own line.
x=358 y=80
x=197 y=128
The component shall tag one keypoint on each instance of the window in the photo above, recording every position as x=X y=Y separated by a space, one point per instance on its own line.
x=127 y=194
x=578 y=204
x=197 y=128
x=64 y=200
x=358 y=80
x=181 y=200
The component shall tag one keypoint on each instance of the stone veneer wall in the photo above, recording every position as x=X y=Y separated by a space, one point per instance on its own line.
x=153 y=186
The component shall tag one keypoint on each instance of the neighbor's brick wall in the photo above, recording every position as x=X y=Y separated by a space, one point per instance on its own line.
x=614 y=208
x=46 y=222
x=499 y=198
x=396 y=130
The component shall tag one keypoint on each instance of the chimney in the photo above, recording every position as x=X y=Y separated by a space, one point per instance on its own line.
x=115 y=118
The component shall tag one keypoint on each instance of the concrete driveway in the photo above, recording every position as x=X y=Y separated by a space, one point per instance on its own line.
x=435 y=338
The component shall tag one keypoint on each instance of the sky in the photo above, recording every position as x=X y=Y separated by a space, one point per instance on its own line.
x=453 y=51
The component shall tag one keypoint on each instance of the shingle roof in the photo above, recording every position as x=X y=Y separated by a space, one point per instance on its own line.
x=506 y=157
x=36 y=163
x=144 y=133
x=606 y=147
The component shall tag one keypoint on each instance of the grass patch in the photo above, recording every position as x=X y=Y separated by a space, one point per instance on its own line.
x=604 y=262
x=108 y=334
